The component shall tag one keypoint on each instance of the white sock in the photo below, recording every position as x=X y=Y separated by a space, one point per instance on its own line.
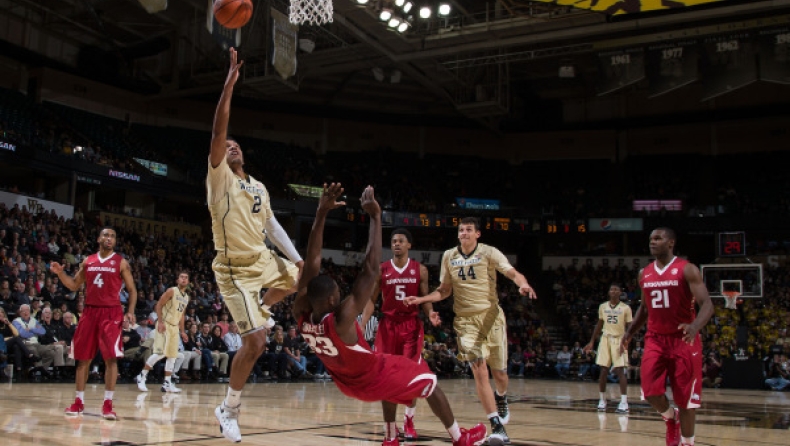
x=624 y=399
x=144 y=373
x=603 y=396
x=454 y=431
x=500 y=394
x=168 y=379
x=108 y=395
x=669 y=414
x=390 y=430
x=409 y=412
x=81 y=395
x=233 y=399
x=687 y=440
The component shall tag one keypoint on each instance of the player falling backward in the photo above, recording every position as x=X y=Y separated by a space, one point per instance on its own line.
x=401 y=330
x=613 y=319
x=170 y=312
x=329 y=323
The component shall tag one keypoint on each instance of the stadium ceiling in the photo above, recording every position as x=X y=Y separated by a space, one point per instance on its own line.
x=511 y=47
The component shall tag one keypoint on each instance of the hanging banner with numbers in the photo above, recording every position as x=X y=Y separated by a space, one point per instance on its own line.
x=616 y=7
x=774 y=47
x=225 y=37
x=618 y=69
x=729 y=63
x=672 y=66
x=284 y=42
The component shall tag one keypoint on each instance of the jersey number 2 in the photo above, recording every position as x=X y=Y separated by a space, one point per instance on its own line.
x=98 y=280
x=321 y=344
x=257 y=206
x=660 y=298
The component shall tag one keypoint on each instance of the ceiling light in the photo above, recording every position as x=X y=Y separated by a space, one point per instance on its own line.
x=444 y=9
x=425 y=12
x=407 y=7
x=403 y=27
x=394 y=22
x=385 y=15
x=362 y=2
x=399 y=2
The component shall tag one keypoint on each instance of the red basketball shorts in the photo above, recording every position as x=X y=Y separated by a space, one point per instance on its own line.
x=396 y=379
x=668 y=356
x=98 y=328
x=400 y=337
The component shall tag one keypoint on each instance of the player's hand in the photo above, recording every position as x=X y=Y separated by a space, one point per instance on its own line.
x=328 y=200
x=55 y=267
x=130 y=318
x=411 y=300
x=689 y=333
x=588 y=348
x=233 y=71
x=624 y=344
x=435 y=319
x=369 y=203
x=160 y=326
x=527 y=291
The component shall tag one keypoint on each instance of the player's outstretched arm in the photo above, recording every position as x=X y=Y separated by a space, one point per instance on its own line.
x=427 y=307
x=524 y=287
x=370 y=306
x=128 y=279
x=312 y=263
x=702 y=297
x=219 y=133
x=639 y=321
x=596 y=332
x=72 y=283
x=371 y=268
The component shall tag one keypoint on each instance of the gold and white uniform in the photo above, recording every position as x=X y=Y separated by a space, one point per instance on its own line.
x=239 y=210
x=479 y=320
x=614 y=323
x=166 y=343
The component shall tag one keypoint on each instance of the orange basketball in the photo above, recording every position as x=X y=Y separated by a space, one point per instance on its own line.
x=233 y=14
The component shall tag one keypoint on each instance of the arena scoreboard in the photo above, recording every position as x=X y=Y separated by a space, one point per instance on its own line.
x=732 y=244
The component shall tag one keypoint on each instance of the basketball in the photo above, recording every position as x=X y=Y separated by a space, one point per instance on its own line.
x=233 y=14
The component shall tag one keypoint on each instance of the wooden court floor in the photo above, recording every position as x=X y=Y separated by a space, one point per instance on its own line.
x=316 y=413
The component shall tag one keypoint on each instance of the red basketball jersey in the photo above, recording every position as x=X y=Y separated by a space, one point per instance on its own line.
x=103 y=280
x=668 y=297
x=353 y=367
x=396 y=285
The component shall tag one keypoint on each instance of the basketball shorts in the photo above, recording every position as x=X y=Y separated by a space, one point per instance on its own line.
x=609 y=352
x=400 y=337
x=483 y=336
x=99 y=328
x=668 y=356
x=396 y=379
x=240 y=282
x=166 y=344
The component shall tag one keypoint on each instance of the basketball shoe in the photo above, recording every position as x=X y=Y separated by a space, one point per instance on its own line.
x=622 y=408
x=140 y=380
x=107 y=412
x=673 y=429
x=502 y=408
x=602 y=406
x=228 y=418
x=471 y=437
x=498 y=436
x=409 y=433
x=391 y=442
x=75 y=409
x=169 y=387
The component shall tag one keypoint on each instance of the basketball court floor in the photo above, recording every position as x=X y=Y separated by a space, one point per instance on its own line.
x=317 y=414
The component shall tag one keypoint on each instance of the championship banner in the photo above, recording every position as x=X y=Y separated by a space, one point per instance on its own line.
x=615 y=7
x=672 y=66
x=225 y=37
x=619 y=69
x=729 y=64
x=774 y=47
x=284 y=42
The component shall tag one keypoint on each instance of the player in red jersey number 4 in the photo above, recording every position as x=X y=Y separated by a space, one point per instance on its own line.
x=328 y=322
x=100 y=326
x=670 y=288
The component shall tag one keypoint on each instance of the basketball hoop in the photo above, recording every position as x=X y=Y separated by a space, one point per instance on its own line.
x=311 y=12
x=731 y=299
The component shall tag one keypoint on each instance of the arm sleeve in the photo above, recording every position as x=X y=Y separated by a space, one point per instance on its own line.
x=280 y=238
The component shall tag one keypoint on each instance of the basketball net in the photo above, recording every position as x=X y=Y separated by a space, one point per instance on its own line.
x=731 y=299
x=311 y=12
